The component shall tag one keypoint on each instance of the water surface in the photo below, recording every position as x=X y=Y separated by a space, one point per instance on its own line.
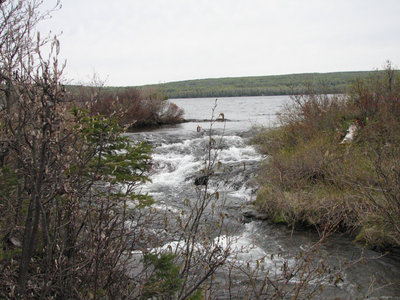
x=178 y=158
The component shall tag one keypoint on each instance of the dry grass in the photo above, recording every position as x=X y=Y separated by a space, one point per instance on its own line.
x=313 y=179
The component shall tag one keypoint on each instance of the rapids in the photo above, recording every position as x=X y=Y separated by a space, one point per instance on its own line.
x=178 y=158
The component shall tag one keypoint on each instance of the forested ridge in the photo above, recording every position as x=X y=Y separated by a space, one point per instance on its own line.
x=332 y=83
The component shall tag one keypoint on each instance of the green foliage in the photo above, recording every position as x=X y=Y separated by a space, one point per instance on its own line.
x=198 y=295
x=8 y=183
x=144 y=200
x=9 y=254
x=165 y=279
x=88 y=170
x=113 y=156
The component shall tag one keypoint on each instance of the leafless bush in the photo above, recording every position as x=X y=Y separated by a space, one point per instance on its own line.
x=309 y=168
x=64 y=231
x=132 y=108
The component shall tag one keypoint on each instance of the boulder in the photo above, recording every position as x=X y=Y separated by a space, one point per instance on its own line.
x=201 y=180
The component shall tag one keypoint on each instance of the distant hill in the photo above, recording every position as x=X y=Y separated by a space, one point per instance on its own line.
x=336 y=82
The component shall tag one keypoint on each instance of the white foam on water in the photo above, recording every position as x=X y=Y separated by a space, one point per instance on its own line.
x=239 y=154
x=233 y=140
x=164 y=207
x=173 y=169
x=246 y=252
x=176 y=162
x=185 y=146
x=242 y=248
x=177 y=247
x=242 y=193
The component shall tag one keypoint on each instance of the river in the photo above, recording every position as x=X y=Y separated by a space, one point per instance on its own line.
x=178 y=157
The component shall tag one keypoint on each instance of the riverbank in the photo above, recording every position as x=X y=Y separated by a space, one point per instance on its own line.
x=319 y=174
x=131 y=108
x=178 y=156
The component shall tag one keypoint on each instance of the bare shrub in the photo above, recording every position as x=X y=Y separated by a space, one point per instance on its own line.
x=309 y=176
x=376 y=95
x=66 y=178
x=132 y=108
x=313 y=114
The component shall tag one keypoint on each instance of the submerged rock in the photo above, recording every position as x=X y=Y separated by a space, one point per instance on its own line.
x=249 y=213
x=202 y=180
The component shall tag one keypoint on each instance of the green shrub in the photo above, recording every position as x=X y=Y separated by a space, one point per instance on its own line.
x=165 y=279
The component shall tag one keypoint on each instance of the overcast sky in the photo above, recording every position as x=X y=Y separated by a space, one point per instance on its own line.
x=136 y=42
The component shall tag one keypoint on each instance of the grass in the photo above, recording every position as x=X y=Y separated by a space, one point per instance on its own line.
x=311 y=178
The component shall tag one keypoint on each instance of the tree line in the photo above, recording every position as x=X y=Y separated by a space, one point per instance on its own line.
x=331 y=83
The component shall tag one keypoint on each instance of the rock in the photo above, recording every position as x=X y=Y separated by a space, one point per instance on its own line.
x=202 y=180
x=350 y=133
x=250 y=212
x=13 y=241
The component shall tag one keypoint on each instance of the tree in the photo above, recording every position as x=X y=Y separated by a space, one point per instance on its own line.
x=72 y=220
x=72 y=217
x=65 y=176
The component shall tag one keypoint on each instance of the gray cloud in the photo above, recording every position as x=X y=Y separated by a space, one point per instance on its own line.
x=135 y=42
